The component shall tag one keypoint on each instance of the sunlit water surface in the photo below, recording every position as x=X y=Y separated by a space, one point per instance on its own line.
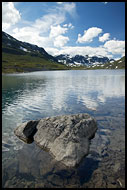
x=31 y=96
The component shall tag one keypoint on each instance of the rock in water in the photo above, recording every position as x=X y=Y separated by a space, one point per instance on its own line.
x=65 y=137
x=26 y=131
x=30 y=129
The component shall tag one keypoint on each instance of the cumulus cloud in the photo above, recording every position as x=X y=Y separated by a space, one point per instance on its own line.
x=48 y=32
x=10 y=15
x=104 y=37
x=89 y=35
x=36 y=32
x=45 y=31
x=69 y=25
x=60 y=41
x=109 y=49
x=52 y=51
x=44 y=23
x=57 y=30
x=115 y=47
x=26 y=34
x=56 y=34
x=86 y=50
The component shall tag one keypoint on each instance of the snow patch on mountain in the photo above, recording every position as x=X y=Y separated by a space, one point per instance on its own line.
x=80 y=60
x=24 y=49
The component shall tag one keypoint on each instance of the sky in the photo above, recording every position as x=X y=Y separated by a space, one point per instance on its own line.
x=84 y=28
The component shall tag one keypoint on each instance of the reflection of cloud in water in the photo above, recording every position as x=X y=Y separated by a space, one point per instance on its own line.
x=62 y=87
x=56 y=93
x=100 y=89
x=88 y=102
x=89 y=90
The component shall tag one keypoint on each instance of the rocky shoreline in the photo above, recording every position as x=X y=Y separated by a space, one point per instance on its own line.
x=104 y=167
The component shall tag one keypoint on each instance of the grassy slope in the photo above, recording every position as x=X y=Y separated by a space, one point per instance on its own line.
x=21 y=63
x=115 y=65
x=16 y=60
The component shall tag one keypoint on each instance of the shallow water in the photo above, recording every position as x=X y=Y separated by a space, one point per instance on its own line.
x=30 y=96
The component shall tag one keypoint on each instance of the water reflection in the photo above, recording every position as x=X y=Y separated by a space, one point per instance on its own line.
x=36 y=93
x=40 y=94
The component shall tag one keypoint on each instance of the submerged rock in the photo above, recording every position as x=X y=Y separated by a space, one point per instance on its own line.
x=65 y=137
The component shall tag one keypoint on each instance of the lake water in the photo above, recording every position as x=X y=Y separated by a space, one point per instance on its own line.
x=31 y=96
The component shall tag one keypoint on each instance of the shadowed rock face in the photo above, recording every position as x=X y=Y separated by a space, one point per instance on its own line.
x=26 y=131
x=65 y=137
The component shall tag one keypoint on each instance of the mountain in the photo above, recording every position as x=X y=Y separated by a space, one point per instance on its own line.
x=119 y=64
x=79 y=60
x=18 y=56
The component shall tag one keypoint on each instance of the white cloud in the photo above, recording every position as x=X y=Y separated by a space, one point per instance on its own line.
x=37 y=32
x=52 y=51
x=59 y=2
x=69 y=25
x=48 y=32
x=115 y=47
x=70 y=8
x=65 y=25
x=60 y=41
x=89 y=35
x=56 y=34
x=117 y=58
x=31 y=35
x=104 y=37
x=10 y=15
x=57 y=30
x=44 y=23
x=111 y=49
x=86 y=50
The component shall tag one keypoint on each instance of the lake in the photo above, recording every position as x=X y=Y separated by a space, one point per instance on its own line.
x=35 y=95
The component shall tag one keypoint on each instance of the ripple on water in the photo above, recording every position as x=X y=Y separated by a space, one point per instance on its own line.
x=5 y=149
x=24 y=98
x=11 y=142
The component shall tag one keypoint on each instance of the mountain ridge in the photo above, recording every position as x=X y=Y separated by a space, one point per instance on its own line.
x=11 y=42
x=82 y=60
x=18 y=56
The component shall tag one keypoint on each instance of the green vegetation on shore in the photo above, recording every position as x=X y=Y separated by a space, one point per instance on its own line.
x=26 y=63
x=20 y=56
x=119 y=64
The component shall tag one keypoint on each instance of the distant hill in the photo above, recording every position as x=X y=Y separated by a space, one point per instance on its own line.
x=79 y=60
x=119 y=64
x=20 y=56
x=90 y=62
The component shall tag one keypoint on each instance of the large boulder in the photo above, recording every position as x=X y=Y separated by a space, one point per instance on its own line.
x=65 y=137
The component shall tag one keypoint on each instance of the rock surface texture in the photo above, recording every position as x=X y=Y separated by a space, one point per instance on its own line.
x=65 y=137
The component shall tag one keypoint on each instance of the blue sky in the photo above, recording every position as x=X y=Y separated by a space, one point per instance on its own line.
x=92 y=28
